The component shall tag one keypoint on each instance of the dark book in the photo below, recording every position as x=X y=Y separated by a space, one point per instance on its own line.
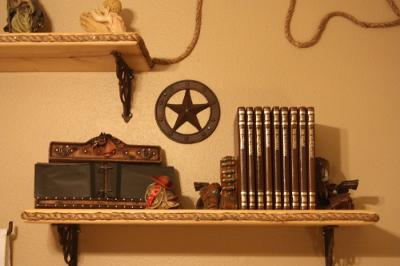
x=277 y=158
x=259 y=158
x=251 y=158
x=285 y=155
x=294 y=158
x=268 y=166
x=241 y=143
x=303 y=158
x=311 y=158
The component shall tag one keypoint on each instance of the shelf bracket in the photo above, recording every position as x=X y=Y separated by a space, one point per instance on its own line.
x=68 y=234
x=328 y=234
x=125 y=76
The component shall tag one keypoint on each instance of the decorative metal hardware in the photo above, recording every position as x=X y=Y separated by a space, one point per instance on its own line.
x=69 y=240
x=106 y=189
x=187 y=112
x=125 y=75
x=328 y=233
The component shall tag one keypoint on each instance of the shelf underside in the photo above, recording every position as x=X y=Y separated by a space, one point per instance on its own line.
x=195 y=217
x=75 y=52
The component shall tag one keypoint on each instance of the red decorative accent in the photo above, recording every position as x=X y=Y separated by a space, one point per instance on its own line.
x=153 y=194
x=162 y=180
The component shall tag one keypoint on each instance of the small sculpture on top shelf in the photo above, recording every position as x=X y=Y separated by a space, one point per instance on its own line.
x=209 y=195
x=105 y=19
x=23 y=16
x=220 y=196
x=330 y=195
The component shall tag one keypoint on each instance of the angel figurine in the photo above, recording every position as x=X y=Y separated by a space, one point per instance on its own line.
x=23 y=16
x=105 y=19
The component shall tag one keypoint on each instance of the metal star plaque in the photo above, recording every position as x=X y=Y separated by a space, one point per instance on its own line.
x=187 y=112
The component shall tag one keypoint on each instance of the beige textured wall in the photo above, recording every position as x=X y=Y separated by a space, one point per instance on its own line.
x=351 y=77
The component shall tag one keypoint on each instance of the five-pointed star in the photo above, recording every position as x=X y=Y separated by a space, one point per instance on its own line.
x=187 y=111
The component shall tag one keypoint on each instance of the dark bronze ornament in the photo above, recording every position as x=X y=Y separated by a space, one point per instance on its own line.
x=210 y=195
x=24 y=16
x=187 y=111
x=330 y=195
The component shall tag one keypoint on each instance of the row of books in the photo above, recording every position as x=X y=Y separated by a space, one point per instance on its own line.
x=276 y=157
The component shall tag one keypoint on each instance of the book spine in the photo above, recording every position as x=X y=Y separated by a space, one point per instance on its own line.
x=277 y=159
x=259 y=159
x=285 y=157
x=294 y=156
x=311 y=158
x=242 y=162
x=303 y=158
x=251 y=158
x=268 y=167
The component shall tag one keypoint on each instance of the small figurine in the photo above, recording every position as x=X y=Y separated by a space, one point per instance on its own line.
x=105 y=19
x=209 y=195
x=23 y=16
x=159 y=194
x=330 y=195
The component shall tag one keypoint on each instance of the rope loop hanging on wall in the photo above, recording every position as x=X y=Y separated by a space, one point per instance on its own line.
x=288 y=32
x=324 y=21
x=192 y=44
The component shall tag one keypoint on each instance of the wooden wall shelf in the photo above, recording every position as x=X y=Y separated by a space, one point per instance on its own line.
x=68 y=221
x=71 y=52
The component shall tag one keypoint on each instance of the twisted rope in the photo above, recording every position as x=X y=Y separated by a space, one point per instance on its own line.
x=192 y=44
x=69 y=37
x=324 y=21
x=148 y=216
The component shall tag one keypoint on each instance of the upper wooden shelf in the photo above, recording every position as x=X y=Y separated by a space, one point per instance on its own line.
x=71 y=52
x=196 y=217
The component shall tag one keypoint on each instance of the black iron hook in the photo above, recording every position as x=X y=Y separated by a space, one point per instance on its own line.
x=10 y=228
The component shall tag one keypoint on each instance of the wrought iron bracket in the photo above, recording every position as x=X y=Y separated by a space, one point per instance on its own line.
x=328 y=234
x=125 y=76
x=68 y=234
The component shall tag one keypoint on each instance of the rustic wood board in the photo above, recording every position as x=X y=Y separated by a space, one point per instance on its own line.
x=71 y=52
x=198 y=217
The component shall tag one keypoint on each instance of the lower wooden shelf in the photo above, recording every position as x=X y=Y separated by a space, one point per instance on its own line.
x=68 y=221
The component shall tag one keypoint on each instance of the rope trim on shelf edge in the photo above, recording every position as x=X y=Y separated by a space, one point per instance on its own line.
x=148 y=216
x=51 y=37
